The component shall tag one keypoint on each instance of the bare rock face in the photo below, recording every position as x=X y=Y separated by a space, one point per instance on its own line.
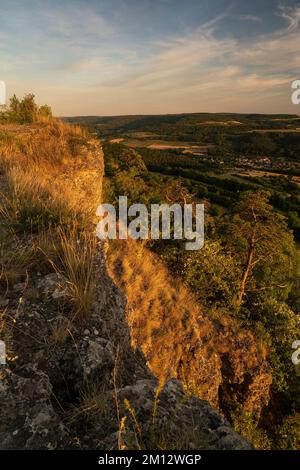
x=96 y=356
x=175 y=419
x=28 y=420
x=47 y=381
x=226 y=366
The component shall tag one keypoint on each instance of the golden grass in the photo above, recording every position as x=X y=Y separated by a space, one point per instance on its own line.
x=31 y=201
x=49 y=190
x=14 y=263
x=162 y=315
x=60 y=332
x=75 y=257
x=51 y=142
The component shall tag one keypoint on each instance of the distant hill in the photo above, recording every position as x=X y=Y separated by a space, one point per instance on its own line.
x=184 y=123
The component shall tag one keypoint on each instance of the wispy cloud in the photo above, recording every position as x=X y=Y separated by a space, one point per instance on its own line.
x=85 y=52
x=291 y=15
x=202 y=60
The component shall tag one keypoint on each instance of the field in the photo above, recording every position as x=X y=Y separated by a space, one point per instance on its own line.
x=160 y=144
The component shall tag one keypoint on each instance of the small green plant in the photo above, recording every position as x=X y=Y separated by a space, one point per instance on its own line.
x=245 y=425
x=288 y=434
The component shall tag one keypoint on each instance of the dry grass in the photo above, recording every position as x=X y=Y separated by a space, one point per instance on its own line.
x=94 y=404
x=14 y=264
x=31 y=202
x=49 y=189
x=3 y=324
x=56 y=140
x=50 y=143
x=47 y=167
x=168 y=325
x=60 y=331
x=75 y=260
x=163 y=315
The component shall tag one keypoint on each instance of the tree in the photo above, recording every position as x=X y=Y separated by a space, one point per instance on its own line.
x=288 y=434
x=45 y=111
x=26 y=111
x=175 y=192
x=14 y=109
x=211 y=273
x=223 y=147
x=120 y=158
x=264 y=248
x=256 y=143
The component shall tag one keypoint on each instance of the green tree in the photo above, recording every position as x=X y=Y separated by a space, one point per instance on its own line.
x=14 y=109
x=212 y=274
x=288 y=434
x=280 y=326
x=120 y=158
x=26 y=111
x=259 y=239
x=45 y=111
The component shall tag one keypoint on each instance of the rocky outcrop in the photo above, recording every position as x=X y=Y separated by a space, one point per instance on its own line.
x=217 y=360
x=40 y=397
x=227 y=368
x=83 y=385
x=28 y=419
x=181 y=422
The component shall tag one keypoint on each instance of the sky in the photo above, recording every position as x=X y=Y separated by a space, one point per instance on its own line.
x=112 y=57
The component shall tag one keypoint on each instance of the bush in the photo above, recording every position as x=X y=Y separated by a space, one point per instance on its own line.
x=24 y=111
x=288 y=436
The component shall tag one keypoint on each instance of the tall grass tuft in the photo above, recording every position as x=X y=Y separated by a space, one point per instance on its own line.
x=75 y=260
x=30 y=203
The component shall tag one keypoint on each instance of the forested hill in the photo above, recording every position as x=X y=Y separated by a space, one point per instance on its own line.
x=150 y=119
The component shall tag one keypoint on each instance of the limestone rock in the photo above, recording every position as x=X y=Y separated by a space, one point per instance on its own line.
x=28 y=420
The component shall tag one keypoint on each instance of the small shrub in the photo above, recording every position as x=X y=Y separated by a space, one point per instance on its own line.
x=288 y=434
x=245 y=425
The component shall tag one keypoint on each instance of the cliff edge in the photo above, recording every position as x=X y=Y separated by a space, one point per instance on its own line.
x=74 y=377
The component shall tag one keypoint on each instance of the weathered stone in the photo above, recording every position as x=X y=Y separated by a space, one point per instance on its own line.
x=28 y=420
x=59 y=362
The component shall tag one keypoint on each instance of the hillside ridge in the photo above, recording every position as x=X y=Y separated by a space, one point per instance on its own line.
x=73 y=380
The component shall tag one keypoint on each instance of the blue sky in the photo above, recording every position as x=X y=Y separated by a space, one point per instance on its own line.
x=105 y=57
